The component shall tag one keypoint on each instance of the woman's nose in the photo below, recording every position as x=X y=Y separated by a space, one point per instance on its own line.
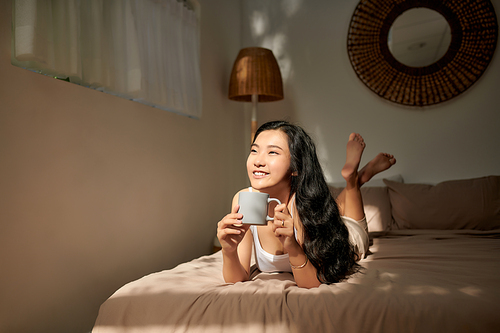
x=259 y=160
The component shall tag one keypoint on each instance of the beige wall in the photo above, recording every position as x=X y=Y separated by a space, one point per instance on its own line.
x=96 y=191
x=457 y=139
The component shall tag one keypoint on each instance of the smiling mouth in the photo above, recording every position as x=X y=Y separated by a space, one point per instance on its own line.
x=259 y=174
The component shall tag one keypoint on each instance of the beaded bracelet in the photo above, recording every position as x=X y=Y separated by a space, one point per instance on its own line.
x=299 y=267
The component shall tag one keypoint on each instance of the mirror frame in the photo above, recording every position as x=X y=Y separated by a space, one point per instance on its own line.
x=474 y=33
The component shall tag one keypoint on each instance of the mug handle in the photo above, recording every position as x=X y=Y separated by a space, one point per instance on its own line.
x=268 y=202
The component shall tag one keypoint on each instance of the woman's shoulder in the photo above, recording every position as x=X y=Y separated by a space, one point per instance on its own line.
x=246 y=189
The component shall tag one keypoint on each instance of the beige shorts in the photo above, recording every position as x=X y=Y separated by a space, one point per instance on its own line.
x=358 y=235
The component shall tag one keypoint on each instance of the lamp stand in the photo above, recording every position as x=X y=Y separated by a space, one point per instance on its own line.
x=255 y=98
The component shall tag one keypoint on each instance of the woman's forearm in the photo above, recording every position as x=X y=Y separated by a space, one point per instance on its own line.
x=232 y=269
x=303 y=271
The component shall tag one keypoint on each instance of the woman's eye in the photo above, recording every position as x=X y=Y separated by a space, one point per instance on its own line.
x=273 y=153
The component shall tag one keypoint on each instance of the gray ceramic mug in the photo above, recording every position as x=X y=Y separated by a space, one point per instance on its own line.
x=254 y=206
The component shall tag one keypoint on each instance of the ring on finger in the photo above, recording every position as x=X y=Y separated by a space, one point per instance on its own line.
x=282 y=223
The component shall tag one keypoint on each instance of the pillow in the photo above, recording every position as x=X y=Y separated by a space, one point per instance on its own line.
x=376 y=202
x=457 y=204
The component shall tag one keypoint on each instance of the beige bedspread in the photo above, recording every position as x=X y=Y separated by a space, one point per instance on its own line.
x=414 y=281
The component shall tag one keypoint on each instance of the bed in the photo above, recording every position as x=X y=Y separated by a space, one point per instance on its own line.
x=433 y=266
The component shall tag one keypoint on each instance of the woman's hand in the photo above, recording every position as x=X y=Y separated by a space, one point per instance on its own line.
x=283 y=228
x=230 y=230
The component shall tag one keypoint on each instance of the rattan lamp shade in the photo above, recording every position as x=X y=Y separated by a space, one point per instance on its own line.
x=255 y=72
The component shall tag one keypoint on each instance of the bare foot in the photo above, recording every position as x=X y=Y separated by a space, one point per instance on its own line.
x=380 y=163
x=355 y=147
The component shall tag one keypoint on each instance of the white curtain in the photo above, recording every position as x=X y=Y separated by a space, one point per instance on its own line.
x=144 y=50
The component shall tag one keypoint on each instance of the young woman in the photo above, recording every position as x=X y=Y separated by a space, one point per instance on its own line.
x=316 y=238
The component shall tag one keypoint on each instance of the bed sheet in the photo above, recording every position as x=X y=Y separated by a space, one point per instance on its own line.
x=413 y=281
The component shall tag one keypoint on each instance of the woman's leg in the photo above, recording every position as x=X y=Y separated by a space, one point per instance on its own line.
x=350 y=201
x=380 y=163
x=351 y=193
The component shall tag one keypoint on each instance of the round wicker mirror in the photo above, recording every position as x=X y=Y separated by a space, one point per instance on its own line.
x=474 y=32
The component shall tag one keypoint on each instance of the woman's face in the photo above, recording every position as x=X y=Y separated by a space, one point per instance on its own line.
x=268 y=164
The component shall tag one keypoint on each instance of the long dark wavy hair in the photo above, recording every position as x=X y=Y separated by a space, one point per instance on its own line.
x=326 y=238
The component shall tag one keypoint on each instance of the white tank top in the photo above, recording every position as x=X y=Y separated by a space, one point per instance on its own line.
x=267 y=262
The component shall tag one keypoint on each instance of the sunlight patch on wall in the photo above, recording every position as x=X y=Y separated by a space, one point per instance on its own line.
x=322 y=153
x=272 y=34
x=258 y=24
x=291 y=7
